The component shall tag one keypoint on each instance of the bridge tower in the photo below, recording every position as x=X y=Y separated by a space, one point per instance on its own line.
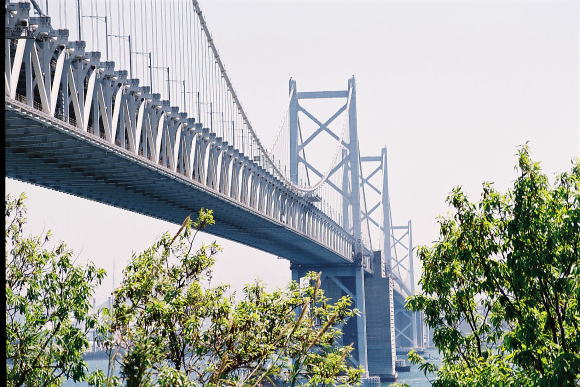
x=373 y=332
x=409 y=332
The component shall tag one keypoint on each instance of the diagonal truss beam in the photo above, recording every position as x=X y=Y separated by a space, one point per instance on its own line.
x=367 y=180
x=398 y=241
x=317 y=173
x=322 y=126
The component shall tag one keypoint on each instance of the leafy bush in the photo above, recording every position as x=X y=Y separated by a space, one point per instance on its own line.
x=506 y=269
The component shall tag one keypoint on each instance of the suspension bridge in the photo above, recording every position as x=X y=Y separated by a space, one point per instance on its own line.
x=128 y=103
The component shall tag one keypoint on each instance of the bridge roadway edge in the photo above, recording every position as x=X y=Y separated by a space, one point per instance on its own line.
x=84 y=165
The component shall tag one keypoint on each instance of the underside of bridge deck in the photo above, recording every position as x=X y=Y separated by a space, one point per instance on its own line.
x=81 y=164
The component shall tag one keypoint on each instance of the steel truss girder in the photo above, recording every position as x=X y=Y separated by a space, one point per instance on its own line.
x=46 y=73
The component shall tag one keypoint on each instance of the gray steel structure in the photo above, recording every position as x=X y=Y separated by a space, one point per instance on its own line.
x=75 y=124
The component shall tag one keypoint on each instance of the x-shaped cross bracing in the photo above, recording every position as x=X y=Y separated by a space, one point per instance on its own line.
x=321 y=126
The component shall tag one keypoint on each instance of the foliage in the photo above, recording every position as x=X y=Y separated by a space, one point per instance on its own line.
x=167 y=326
x=500 y=287
x=47 y=306
x=174 y=329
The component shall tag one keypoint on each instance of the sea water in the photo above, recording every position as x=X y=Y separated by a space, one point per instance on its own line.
x=414 y=377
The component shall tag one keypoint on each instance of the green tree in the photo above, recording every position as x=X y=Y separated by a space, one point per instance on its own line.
x=500 y=287
x=47 y=306
x=172 y=328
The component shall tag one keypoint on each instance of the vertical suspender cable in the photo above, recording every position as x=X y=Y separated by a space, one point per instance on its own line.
x=178 y=54
x=182 y=49
x=149 y=42
x=169 y=55
x=154 y=45
x=79 y=19
x=161 y=50
x=195 y=65
x=168 y=47
x=114 y=54
x=178 y=46
x=213 y=99
x=161 y=85
x=223 y=109
x=211 y=90
x=130 y=33
x=185 y=58
x=193 y=30
x=164 y=34
x=206 y=77
x=146 y=30
x=92 y=20
x=199 y=67
x=95 y=28
x=64 y=20
x=203 y=76
x=119 y=32
x=116 y=31
x=221 y=102
x=216 y=93
x=177 y=66
x=108 y=29
x=143 y=39
x=122 y=43
x=210 y=84
x=192 y=66
x=96 y=22
x=107 y=21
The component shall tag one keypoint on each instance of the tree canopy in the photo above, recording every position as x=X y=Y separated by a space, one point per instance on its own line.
x=500 y=287
x=167 y=326
x=48 y=302
x=175 y=329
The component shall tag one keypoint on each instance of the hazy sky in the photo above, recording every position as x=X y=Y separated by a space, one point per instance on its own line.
x=451 y=88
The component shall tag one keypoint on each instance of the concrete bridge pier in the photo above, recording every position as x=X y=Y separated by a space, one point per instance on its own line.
x=377 y=353
x=380 y=323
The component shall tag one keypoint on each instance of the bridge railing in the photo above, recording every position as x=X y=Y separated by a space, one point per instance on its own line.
x=279 y=205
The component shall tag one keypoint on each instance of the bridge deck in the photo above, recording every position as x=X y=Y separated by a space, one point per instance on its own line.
x=58 y=156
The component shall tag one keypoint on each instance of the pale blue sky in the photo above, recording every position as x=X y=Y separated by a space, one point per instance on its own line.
x=451 y=88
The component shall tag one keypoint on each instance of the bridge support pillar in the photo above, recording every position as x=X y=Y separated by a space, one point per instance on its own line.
x=376 y=294
x=338 y=281
x=420 y=331
x=380 y=323
x=361 y=321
